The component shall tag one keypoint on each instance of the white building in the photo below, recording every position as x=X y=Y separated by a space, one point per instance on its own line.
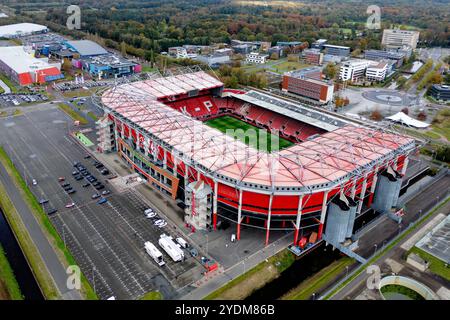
x=256 y=57
x=354 y=70
x=21 y=29
x=377 y=71
x=178 y=53
x=396 y=38
x=213 y=59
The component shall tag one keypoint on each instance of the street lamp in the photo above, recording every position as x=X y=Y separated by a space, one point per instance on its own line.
x=314 y=296
x=376 y=246
x=346 y=268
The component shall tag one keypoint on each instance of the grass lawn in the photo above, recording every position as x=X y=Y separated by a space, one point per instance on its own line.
x=92 y=115
x=77 y=93
x=70 y=112
x=436 y=266
x=26 y=242
x=288 y=66
x=441 y=124
x=243 y=286
x=152 y=295
x=9 y=288
x=148 y=69
x=251 y=135
x=9 y=83
x=318 y=281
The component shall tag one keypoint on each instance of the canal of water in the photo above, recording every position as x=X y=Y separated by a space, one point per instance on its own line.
x=25 y=278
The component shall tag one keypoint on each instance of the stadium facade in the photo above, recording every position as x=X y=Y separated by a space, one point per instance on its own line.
x=318 y=185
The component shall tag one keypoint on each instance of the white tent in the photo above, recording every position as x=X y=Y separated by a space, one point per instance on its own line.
x=407 y=120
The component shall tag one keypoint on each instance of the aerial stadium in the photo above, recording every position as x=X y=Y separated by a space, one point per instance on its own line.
x=316 y=177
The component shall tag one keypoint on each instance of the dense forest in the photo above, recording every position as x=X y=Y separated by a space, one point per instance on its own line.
x=146 y=26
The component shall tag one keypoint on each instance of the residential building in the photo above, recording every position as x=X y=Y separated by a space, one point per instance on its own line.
x=337 y=50
x=256 y=57
x=396 y=38
x=440 y=92
x=308 y=85
x=313 y=56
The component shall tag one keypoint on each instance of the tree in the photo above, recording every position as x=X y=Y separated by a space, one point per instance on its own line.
x=330 y=70
x=405 y=111
x=443 y=153
x=376 y=115
x=123 y=48
x=422 y=116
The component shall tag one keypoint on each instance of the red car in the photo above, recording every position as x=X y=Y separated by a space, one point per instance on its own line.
x=60 y=179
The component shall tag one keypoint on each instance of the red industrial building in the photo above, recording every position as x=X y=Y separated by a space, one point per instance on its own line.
x=333 y=169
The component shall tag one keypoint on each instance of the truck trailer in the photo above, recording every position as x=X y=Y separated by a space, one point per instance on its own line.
x=173 y=250
x=154 y=253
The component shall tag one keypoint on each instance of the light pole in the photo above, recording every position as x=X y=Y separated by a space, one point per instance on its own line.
x=384 y=243
x=420 y=213
x=346 y=274
x=399 y=229
x=314 y=296
x=375 y=251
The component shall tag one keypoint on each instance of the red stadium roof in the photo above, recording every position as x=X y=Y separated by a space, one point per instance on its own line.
x=330 y=157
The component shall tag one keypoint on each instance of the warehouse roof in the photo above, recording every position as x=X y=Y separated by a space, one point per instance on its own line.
x=21 y=61
x=333 y=157
x=86 y=47
x=14 y=30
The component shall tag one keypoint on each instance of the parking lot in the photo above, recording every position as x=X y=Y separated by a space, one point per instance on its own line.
x=11 y=100
x=107 y=240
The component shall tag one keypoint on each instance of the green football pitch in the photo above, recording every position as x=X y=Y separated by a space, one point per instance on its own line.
x=250 y=135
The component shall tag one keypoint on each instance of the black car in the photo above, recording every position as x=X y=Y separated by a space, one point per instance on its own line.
x=76 y=164
x=67 y=188
x=42 y=201
x=52 y=211
x=71 y=191
x=78 y=178
x=96 y=183
x=87 y=156
x=99 y=165
x=65 y=185
x=85 y=173
x=100 y=187
x=87 y=184
x=105 y=172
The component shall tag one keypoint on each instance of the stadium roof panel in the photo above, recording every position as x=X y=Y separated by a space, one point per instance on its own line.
x=322 y=160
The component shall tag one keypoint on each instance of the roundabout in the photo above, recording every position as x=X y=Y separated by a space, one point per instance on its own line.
x=387 y=97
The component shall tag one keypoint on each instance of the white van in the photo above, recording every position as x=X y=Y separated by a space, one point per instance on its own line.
x=233 y=237
x=182 y=243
